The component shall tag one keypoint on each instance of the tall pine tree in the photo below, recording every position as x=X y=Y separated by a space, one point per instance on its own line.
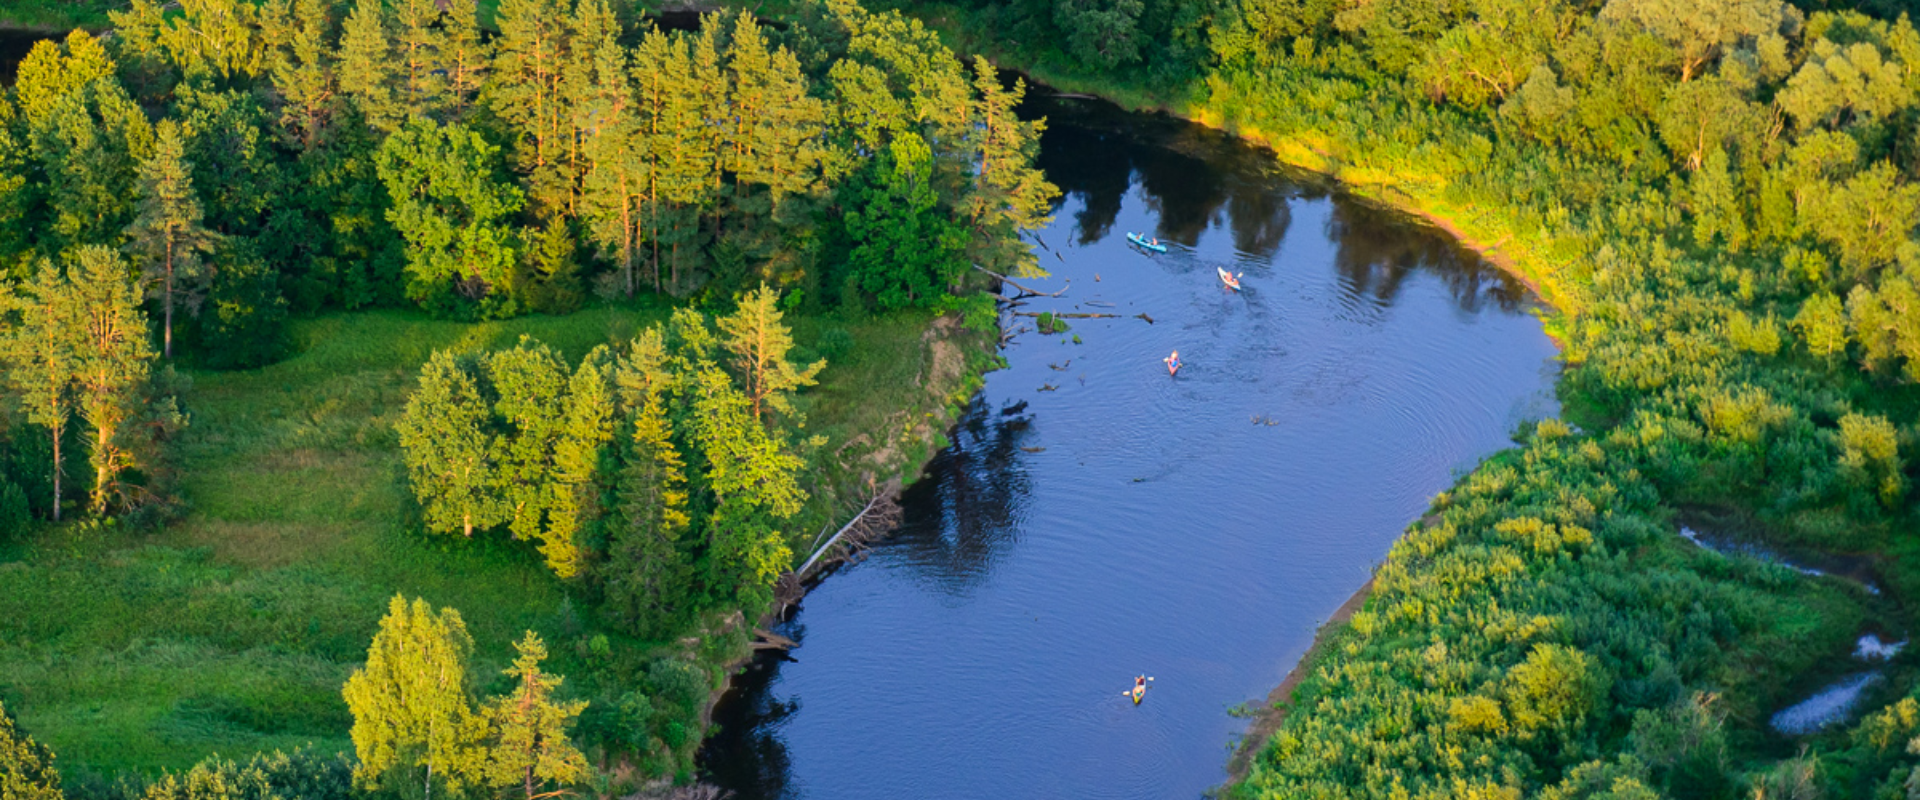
x=111 y=360
x=38 y=351
x=529 y=749
x=760 y=342
x=167 y=237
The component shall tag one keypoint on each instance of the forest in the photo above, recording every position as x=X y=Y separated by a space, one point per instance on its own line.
x=1718 y=199
x=423 y=398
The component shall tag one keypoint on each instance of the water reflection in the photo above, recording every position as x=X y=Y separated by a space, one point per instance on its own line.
x=1196 y=180
x=1375 y=266
x=1095 y=518
x=963 y=514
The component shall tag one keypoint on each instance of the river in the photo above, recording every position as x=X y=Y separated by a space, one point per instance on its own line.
x=1095 y=519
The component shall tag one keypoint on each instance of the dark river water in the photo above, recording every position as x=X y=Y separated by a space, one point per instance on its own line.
x=1095 y=519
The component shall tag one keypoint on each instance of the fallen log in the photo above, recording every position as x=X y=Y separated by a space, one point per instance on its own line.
x=1030 y=292
x=1067 y=315
x=773 y=640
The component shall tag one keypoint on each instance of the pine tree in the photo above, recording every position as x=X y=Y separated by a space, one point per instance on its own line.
x=418 y=43
x=529 y=65
x=554 y=270
x=447 y=440
x=617 y=195
x=168 y=236
x=302 y=65
x=686 y=170
x=366 y=70
x=466 y=54
x=26 y=766
x=776 y=138
x=529 y=747
x=111 y=361
x=759 y=344
x=411 y=706
x=753 y=478
x=585 y=428
x=38 y=352
x=645 y=573
x=1008 y=194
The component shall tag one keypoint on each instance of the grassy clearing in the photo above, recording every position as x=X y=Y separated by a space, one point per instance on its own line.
x=58 y=15
x=232 y=630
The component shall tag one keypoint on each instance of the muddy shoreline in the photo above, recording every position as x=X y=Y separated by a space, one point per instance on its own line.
x=1280 y=700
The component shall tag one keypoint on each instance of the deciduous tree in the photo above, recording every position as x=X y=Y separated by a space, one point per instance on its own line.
x=454 y=209
x=411 y=704
x=26 y=766
x=447 y=440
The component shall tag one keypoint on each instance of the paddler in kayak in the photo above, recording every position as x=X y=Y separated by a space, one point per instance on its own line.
x=1139 y=688
x=1173 y=363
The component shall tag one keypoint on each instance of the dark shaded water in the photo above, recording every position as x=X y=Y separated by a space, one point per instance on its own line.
x=1196 y=529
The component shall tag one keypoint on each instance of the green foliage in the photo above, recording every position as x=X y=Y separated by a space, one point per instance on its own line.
x=449 y=447
x=908 y=250
x=167 y=236
x=452 y=206
x=412 y=708
x=26 y=767
x=243 y=320
x=760 y=345
x=528 y=746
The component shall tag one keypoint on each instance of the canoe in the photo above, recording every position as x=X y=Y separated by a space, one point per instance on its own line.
x=1229 y=279
x=1142 y=241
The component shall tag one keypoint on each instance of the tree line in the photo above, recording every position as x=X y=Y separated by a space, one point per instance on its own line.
x=243 y=163
x=397 y=151
x=659 y=474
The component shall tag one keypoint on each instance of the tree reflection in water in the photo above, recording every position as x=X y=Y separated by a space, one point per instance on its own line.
x=957 y=521
x=1196 y=179
x=1373 y=267
x=964 y=513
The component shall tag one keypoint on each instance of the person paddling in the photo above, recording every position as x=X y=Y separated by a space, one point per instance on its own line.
x=1139 y=688
x=1173 y=363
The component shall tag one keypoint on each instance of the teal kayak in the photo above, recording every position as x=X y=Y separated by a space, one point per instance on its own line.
x=1144 y=242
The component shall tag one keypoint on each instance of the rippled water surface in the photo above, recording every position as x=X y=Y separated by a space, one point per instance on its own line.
x=1121 y=522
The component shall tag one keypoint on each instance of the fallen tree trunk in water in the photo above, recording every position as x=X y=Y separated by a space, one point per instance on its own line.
x=1029 y=292
x=1067 y=314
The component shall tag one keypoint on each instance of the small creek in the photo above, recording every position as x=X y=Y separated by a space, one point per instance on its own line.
x=1838 y=701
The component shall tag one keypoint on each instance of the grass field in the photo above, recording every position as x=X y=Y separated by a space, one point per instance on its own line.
x=232 y=630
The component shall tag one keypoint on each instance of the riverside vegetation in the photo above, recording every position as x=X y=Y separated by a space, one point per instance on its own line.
x=1717 y=197
x=452 y=388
